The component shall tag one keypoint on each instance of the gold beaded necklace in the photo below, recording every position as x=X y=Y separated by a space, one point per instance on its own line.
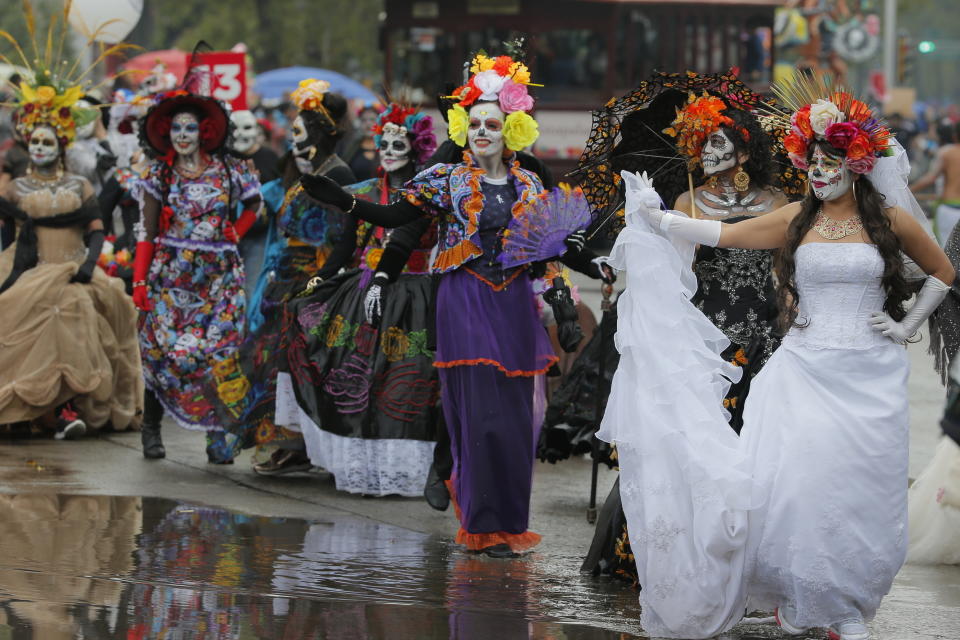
x=832 y=229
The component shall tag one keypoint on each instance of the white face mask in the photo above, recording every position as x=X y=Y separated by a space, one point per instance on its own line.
x=394 y=151
x=185 y=133
x=246 y=131
x=828 y=177
x=718 y=153
x=44 y=148
x=485 y=132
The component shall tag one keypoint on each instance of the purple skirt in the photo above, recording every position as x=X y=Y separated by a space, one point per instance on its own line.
x=480 y=324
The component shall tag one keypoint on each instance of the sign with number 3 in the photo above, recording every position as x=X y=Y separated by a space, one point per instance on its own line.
x=226 y=77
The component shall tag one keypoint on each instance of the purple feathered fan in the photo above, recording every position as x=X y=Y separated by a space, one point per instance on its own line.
x=540 y=229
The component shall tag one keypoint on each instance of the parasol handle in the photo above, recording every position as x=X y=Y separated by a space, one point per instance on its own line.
x=693 y=201
x=606 y=291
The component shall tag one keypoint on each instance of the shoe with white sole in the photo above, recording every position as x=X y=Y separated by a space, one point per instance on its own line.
x=852 y=629
x=69 y=425
x=783 y=616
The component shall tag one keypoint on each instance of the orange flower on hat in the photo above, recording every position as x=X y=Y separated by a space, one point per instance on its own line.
x=793 y=143
x=859 y=147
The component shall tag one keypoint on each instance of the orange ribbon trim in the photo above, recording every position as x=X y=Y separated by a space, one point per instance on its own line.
x=517 y=373
x=478 y=541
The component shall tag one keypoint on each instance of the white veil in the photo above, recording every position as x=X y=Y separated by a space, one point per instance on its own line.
x=890 y=176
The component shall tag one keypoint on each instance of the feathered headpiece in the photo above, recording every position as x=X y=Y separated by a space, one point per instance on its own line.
x=502 y=80
x=834 y=116
x=52 y=88
x=410 y=122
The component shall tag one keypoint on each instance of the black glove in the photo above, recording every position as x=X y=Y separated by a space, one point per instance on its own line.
x=576 y=240
x=323 y=189
x=602 y=271
x=94 y=241
x=569 y=333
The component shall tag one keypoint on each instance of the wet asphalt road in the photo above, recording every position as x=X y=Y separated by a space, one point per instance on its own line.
x=95 y=542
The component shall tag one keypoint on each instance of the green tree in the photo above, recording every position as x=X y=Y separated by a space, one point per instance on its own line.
x=332 y=34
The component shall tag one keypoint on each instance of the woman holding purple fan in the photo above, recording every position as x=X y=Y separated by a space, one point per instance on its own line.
x=491 y=344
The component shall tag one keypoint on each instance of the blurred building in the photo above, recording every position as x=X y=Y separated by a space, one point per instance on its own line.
x=583 y=51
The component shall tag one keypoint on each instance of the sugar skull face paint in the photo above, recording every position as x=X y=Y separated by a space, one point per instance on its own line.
x=44 y=148
x=185 y=133
x=718 y=153
x=485 y=131
x=828 y=176
x=301 y=149
x=394 y=150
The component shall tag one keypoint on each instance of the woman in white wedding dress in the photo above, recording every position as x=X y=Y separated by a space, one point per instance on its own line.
x=806 y=512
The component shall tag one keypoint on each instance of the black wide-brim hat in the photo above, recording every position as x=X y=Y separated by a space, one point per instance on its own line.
x=155 y=131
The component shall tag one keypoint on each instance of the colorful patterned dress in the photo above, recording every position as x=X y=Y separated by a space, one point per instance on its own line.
x=316 y=242
x=189 y=340
x=367 y=395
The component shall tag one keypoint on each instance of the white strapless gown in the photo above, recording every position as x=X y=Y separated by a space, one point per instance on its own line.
x=808 y=507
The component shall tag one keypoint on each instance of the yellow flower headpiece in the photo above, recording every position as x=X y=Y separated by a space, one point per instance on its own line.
x=502 y=80
x=53 y=89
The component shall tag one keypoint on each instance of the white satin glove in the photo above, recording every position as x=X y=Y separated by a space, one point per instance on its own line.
x=931 y=294
x=641 y=197
x=372 y=302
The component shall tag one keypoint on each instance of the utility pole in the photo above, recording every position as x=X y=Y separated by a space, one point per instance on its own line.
x=890 y=42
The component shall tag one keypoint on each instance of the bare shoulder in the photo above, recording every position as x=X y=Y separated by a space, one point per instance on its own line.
x=788 y=211
x=682 y=203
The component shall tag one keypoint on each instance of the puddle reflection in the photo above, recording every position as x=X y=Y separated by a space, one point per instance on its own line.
x=131 y=568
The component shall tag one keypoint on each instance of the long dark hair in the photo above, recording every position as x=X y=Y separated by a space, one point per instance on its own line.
x=876 y=224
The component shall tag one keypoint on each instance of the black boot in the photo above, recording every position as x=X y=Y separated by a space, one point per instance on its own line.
x=435 y=491
x=150 y=431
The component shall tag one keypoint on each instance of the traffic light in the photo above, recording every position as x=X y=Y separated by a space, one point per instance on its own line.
x=906 y=57
x=927 y=46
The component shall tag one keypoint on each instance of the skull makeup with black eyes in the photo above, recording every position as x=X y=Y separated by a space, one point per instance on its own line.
x=394 y=148
x=719 y=153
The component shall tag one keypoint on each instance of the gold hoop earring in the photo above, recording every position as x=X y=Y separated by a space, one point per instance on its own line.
x=855 y=191
x=741 y=180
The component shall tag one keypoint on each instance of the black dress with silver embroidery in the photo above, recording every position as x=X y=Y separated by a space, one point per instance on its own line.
x=735 y=290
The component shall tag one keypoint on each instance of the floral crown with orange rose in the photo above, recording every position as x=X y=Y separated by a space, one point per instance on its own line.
x=839 y=119
x=694 y=123
x=504 y=81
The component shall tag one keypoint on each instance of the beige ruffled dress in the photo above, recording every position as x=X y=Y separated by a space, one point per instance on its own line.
x=59 y=340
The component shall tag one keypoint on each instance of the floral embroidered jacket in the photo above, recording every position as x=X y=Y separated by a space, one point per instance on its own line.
x=452 y=194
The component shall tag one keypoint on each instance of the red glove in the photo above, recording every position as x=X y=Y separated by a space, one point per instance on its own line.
x=141 y=267
x=235 y=232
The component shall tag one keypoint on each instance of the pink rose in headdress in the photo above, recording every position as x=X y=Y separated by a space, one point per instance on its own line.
x=841 y=134
x=862 y=165
x=514 y=97
x=799 y=161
